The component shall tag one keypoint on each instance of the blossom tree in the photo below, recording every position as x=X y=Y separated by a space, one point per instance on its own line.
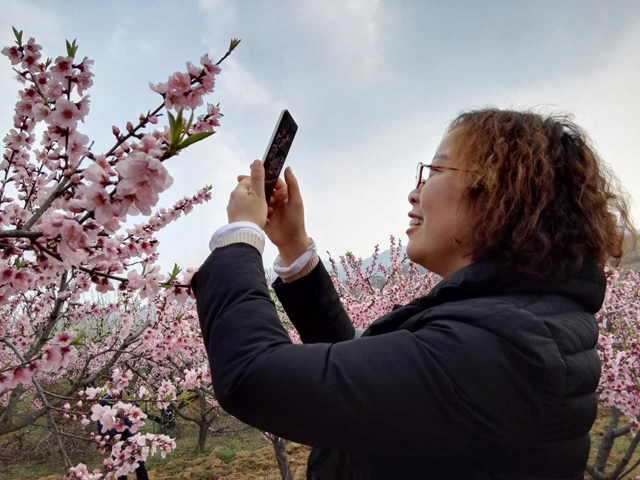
x=63 y=239
x=619 y=389
x=368 y=293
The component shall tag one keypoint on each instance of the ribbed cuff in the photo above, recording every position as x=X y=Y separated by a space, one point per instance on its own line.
x=242 y=237
x=311 y=264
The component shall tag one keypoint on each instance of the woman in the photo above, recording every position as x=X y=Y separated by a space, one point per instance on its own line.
x=492 y=375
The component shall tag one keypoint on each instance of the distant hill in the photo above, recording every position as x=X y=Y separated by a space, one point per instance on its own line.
x=631 y=258
x=384 y=259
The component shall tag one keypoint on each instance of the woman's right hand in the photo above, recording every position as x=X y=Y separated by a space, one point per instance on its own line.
x=285 y=219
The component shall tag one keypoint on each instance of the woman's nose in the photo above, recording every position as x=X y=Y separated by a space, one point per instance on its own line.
x=414 y=196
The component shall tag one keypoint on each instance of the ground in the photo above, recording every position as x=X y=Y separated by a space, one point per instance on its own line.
x=245 y=455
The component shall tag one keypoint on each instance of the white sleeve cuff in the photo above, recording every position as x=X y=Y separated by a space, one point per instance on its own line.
x=245 y=232
x=298 y=266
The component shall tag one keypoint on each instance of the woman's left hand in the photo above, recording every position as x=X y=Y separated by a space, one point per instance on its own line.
x=247 y=202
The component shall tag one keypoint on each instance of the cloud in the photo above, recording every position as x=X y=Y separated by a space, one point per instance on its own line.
x=240 y=86
x=353 y=25
x=220 y=12
x=146 y=47
x=36 y=21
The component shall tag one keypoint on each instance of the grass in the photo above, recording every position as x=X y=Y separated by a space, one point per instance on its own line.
x=49 y=463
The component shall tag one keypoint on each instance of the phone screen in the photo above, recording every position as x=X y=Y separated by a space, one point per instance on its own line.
x=277 y=150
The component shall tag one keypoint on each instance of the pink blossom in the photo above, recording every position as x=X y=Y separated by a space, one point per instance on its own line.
x=54 y=88
x=31 y=56
x=62 y=68
x=73 y=238
x=81 y=472
x=83 y=106
x=51 y=358
x=76 y=147
x=166 y=393
x=14 y=54
x=179 y=82
x=66 y=114
x=16 y=140
x=160 y=88
x=103 y=285
x=105 y=415
x=135 y=280
x=98 y=201
x=41 y=111
x=63 y=338
x=84 y=79
x=210 y=67
x=21 y=375
x=142 y=177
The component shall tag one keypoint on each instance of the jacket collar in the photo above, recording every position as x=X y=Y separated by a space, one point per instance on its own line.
x=587 y=287
x=487 y=278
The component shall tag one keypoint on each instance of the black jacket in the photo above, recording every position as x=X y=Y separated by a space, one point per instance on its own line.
x=489 y=376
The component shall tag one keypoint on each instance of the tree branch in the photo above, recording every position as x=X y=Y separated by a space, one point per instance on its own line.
x=45 y=402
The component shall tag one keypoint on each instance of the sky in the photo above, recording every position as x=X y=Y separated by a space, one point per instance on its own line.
x=372 y=85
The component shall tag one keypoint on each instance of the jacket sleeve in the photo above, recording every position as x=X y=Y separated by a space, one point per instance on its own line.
x=387 y=394
x=313 y=306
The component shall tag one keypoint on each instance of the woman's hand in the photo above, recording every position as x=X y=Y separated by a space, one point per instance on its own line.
x=247 y=201
x=285 y=222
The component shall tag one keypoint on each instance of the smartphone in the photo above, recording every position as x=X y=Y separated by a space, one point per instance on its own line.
x=277 y=150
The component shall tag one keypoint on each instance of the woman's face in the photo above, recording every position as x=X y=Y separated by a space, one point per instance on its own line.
x=438 y=217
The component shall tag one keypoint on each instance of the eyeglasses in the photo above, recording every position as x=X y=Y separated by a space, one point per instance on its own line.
x=432 y=168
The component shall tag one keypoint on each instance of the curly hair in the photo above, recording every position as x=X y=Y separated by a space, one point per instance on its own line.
x=544 y=203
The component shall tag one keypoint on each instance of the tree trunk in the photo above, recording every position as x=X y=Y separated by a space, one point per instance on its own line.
x=606 y=444
x=203 y=428
x=279 y=445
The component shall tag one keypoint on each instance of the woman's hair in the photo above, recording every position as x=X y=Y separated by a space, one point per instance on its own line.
x=543 y=201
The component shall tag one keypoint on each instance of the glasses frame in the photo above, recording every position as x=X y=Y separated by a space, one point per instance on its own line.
x=421 y=166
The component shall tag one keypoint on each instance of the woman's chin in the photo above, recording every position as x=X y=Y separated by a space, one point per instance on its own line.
x=413 y=251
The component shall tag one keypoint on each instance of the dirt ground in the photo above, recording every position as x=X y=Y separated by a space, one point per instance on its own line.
x=261 y=464
x=257 y=465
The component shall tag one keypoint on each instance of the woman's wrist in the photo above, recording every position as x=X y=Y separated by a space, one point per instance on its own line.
x=291 y=252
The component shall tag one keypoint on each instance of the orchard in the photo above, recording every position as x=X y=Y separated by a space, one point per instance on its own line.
x=94 y=337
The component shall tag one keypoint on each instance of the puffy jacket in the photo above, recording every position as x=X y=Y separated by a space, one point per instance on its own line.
x=490 y=376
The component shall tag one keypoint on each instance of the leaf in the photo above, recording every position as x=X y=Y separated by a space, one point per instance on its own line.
x=190 y=121
x=174 y=273
x=196 y=137
x=78 y=340
x=20 y=263
x=177 y=133
x=72 y=48
x=234 y=43
x=172 y=122
x=18 y=35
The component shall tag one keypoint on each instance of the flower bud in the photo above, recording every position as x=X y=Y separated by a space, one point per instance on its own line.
x=115 y=130
x=129 y=126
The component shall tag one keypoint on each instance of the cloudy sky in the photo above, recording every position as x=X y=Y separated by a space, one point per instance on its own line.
x=371 y=84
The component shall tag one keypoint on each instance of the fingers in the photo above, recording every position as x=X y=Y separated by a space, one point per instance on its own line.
x=257 y=178
x=278 y=196
x=280 y=184
x=242 y=177
x=292 y=186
